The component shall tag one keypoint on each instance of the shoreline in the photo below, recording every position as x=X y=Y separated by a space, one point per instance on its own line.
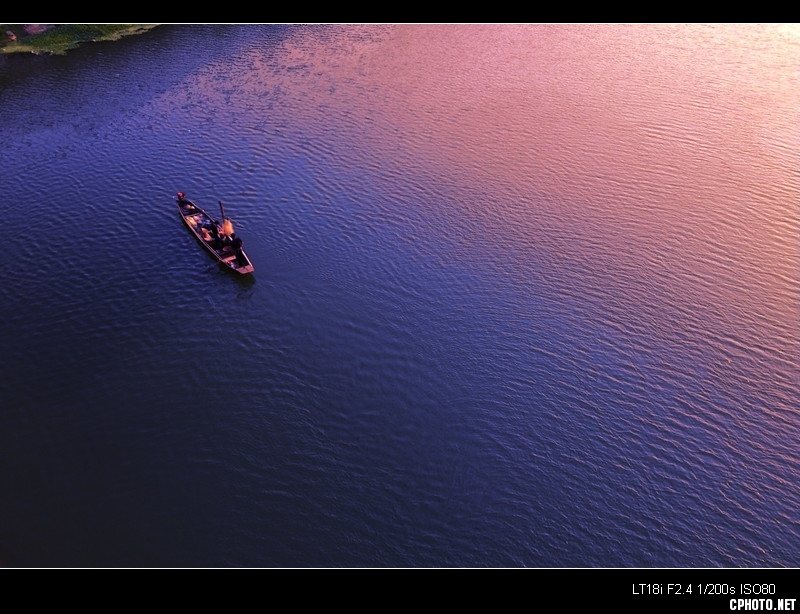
x=57 y=39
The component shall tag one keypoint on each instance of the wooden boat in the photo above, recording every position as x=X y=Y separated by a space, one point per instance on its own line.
x=218 y=238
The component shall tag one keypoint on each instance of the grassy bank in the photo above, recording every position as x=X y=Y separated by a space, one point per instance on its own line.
x=58 y=39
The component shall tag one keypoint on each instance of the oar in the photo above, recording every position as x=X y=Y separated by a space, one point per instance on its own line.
x=222 y=211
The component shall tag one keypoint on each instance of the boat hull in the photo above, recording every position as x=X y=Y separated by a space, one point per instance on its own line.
x=202 y=225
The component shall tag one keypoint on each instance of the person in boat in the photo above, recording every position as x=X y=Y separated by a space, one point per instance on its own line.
x=219 y=240
x=229 y=241
x=185 y=203
x=236 y=245
x=211 y=234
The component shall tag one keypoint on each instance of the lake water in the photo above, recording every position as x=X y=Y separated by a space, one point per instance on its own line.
x=524 y=296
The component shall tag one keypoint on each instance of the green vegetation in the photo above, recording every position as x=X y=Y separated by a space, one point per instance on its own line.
x=59 y=39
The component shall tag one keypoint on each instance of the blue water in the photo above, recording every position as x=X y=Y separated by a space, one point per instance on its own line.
x=524 y=296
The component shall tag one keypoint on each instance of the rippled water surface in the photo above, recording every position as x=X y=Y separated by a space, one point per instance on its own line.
x=525 y=295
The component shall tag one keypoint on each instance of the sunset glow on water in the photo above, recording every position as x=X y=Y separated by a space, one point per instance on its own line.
x=524 y=296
